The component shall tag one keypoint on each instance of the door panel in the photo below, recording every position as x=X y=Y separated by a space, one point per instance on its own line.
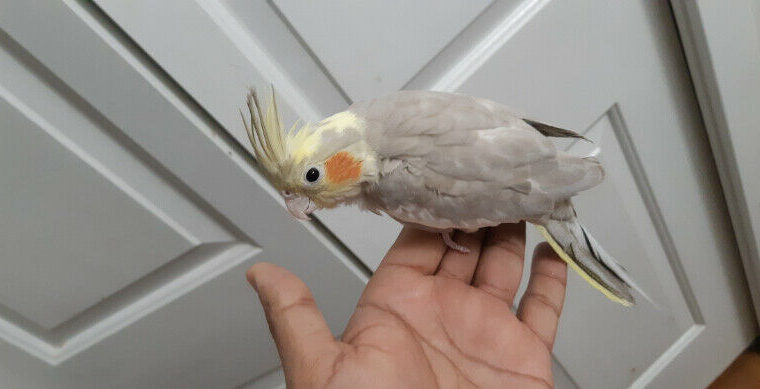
x=621 y=212
x=360 y=43
x=87 y=195
x=129 y=219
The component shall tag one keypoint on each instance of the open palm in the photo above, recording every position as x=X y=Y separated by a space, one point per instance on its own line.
x=429 y=317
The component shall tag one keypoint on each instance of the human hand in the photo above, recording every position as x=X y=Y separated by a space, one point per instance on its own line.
x=429 y=317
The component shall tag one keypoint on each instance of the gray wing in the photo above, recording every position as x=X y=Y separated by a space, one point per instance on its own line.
x=457 y=144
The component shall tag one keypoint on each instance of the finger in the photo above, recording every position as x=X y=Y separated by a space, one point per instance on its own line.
x=297 y=326
x=416 y=249
x=542 y=302
x=458 y=265
x=501 y=261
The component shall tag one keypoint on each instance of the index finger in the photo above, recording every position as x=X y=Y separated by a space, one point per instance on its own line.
x=297 y=325
x=416 y=249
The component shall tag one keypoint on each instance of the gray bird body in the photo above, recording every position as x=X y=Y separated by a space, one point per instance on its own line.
x=455 y=162
x=450 y=161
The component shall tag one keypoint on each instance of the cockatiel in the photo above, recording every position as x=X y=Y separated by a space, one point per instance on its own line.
x=439 y=162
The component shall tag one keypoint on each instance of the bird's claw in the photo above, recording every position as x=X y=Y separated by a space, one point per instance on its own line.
x=453 y=245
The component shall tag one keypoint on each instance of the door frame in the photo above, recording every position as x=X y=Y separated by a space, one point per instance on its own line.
x=728 y=92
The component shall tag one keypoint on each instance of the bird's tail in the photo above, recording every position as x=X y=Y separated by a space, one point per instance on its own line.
x=572 y=242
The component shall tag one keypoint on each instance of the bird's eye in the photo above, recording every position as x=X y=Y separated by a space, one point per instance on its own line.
x=312 y=175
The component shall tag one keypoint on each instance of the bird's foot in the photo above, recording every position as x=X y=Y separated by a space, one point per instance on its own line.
x=453 y=245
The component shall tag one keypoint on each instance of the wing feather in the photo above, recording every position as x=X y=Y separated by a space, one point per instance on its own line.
x=456 y=140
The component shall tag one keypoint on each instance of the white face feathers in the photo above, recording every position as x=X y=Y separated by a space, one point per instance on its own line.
x=315 y=166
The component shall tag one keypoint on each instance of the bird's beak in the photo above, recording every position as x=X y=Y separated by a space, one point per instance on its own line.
x=300 y=206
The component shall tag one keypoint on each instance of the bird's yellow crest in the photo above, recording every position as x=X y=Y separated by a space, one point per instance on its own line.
x=265 y=133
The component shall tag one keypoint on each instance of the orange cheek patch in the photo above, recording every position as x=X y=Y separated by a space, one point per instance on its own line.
x=343 y=167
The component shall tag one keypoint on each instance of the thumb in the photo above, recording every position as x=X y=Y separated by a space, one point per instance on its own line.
x=296 y=324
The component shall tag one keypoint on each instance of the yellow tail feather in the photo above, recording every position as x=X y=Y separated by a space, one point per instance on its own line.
x=570 y=262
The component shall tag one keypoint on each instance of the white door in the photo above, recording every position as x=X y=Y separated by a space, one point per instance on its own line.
x=611 y=70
